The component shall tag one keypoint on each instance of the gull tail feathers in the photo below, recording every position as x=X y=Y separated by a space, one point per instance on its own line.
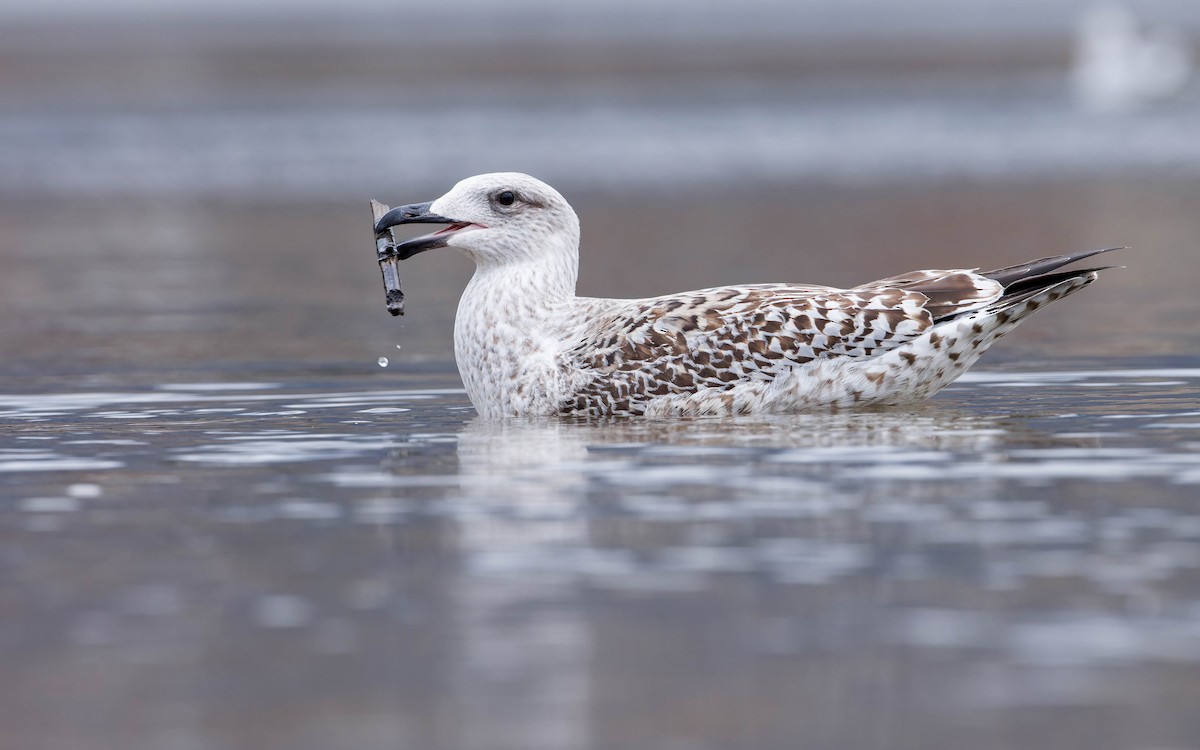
x=1027 y=282
x=1011 y=275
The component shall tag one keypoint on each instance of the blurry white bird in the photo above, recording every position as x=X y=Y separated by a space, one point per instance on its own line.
x=527 y=346
x=1118 y=68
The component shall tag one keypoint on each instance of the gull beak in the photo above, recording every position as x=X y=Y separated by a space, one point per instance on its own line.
x=414 y=213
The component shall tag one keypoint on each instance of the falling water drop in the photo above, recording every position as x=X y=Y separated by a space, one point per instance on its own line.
x=397 y=346
x=383 y=362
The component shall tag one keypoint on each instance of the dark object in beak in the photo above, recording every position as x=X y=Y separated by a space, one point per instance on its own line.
x=413 y=213
x=391 y=284
x=389 y=262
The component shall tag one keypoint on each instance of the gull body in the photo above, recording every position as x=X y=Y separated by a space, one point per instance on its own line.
x=526 y=345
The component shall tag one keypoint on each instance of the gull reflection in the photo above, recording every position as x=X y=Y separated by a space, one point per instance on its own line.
x=521 y=676
x=534 y=519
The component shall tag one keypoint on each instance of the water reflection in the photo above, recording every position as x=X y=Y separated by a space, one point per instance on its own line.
x=623 y=583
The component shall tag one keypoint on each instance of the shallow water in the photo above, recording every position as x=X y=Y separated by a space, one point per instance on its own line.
x=303 y=563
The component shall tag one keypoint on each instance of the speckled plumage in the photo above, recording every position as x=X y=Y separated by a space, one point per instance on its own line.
x=526 y=345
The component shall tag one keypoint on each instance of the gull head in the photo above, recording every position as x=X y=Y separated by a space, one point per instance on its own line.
x=495 y=219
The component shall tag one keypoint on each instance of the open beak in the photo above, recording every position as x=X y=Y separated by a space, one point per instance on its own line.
x=418 y=213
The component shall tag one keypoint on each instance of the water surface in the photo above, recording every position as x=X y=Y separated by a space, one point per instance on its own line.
x=310 y=562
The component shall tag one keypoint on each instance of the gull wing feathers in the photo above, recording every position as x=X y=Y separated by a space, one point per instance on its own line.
x=717 y=338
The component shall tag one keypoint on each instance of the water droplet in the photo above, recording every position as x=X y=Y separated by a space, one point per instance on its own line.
x=397 y=346
x=383 y=362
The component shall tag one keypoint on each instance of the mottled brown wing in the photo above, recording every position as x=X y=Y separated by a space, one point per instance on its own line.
x=948 y=293
x=716 y=338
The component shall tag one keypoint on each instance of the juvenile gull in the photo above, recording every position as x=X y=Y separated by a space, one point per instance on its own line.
x=527 y=346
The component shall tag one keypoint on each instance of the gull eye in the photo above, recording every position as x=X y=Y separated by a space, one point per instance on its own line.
x=506 y=198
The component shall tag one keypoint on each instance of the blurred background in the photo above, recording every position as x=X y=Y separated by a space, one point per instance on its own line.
x=180 y=178
x=223 y=524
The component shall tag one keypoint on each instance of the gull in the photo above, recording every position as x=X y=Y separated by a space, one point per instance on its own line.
x=527 y=346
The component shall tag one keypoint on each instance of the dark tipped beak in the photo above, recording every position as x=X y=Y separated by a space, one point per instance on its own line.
x=413 y=213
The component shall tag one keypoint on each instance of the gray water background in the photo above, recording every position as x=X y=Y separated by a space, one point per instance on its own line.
x=224 y=525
